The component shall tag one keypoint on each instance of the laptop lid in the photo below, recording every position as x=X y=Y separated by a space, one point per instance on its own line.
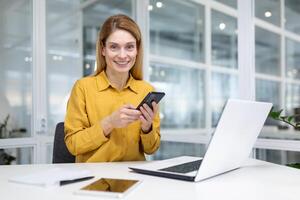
x=231 y=144
x=234 y=137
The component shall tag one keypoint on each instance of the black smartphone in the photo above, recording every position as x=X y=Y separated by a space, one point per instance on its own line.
x=151 y=96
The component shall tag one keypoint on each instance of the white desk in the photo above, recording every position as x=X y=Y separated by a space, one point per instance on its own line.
x=257 y=180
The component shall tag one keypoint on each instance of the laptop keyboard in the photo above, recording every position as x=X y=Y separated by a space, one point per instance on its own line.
x=184 y=168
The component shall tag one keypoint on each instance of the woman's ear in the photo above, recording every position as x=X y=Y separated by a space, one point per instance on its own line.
x=103 y=51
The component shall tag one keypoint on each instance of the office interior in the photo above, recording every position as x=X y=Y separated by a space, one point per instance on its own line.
x=191 y=53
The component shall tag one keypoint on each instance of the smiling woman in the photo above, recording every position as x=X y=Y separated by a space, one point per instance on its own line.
x=120 y=53
x=102 y=123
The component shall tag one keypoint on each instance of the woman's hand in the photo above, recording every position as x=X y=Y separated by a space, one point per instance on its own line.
x=148 y=116
x=120 y=118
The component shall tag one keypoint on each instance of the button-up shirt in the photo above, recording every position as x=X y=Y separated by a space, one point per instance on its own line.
x=94 y=98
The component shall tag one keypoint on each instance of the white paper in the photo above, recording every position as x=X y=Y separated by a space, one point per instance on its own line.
x=51 y=177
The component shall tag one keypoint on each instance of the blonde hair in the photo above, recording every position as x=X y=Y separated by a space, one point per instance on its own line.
x=112 y=24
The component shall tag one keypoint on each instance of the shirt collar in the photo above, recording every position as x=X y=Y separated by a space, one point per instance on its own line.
x=132 y=84
x=103 y=82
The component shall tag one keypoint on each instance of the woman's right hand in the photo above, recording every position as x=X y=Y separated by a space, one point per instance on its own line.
x=120 y=118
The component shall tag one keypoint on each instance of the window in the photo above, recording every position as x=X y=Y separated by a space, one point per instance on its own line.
x=178 y=39
x=292 y=14
x=292 y=98
x=292 y=59
x=268 y=10
x=224 y=40
x=277 y=77
x=183 y=105
x=267 y=52
x=224 y=86
x=278 y=156
x=231 y=3
x=16 y=68
x=10 y=156
x=63 y=56
x=179 y=36
x=268 y=91
x=173 y=149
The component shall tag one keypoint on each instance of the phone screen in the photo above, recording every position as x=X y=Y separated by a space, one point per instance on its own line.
x=110 y=185
x=151 y=96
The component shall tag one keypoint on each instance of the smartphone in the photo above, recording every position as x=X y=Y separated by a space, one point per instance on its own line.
x=109 y=187
x=151 y=96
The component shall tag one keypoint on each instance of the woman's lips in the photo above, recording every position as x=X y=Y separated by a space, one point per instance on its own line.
x=122 y=63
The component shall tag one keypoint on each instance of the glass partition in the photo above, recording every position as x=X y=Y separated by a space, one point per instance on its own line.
x=15 y=68
x=268 y=91
x=173 y=149
x=292 y=15
x=179 y=35
x=183 y=105
x=292 y=98
x=223 y=40
x=278 y=156
x=224 y=86
x=267 y=52
x=13 y=156
x=231 y=3
x=64 y=65
x=268 y=10
x=49 y=152
x=292 y=59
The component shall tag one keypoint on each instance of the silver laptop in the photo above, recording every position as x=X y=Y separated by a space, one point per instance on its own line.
x=231 y=144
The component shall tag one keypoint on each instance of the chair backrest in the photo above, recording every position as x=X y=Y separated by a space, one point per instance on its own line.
x=61 y=153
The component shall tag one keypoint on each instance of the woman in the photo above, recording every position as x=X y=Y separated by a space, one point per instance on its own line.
x=102 y=124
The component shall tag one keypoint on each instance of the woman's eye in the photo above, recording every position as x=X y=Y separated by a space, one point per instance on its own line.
x=130 y=47
x=113 y=47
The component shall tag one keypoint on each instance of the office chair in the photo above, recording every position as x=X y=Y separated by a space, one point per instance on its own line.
x=60 y=152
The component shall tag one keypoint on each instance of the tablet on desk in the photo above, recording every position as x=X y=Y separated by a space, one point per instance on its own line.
x=109 y=187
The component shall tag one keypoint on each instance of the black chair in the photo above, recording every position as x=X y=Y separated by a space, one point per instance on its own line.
x=60 y=152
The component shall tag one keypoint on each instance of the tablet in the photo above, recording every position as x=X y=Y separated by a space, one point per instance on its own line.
x=109 y=187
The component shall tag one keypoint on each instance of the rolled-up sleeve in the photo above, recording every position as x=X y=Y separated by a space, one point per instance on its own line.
x=151 y=140
x=80 y=136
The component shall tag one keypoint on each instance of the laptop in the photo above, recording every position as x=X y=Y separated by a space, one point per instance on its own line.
x=231 y=145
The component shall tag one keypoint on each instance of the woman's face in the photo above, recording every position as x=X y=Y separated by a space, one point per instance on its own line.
x=120 y=51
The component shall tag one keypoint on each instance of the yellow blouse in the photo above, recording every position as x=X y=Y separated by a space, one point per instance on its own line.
x=92 y=99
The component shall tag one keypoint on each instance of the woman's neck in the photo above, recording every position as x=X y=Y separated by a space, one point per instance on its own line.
x=118 y=80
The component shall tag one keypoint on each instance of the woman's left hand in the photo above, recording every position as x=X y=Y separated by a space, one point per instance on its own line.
x=147 y=116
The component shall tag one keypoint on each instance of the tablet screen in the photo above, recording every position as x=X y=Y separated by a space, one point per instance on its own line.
x=110 y=185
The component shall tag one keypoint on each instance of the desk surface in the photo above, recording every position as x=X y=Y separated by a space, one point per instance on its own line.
x=256 y=180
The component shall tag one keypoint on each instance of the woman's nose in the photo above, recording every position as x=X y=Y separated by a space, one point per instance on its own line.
x=122 y=53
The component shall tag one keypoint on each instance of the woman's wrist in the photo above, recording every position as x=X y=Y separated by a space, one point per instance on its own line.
x=106 y=126
x=147 y=130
